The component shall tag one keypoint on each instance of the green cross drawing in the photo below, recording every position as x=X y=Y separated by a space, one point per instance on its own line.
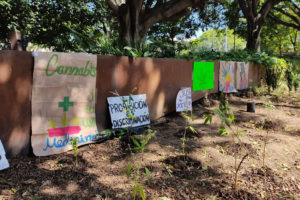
x=65 y=104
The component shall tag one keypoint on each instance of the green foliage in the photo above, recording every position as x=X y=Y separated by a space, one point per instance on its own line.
x=131 y=168
x=59 y=25
x=184 y=27
x=188 y=118
x=74 y=143
x=127 y=170
x=269 y=105
x=207 y=118
x=138 y=188
x=215 y=40
x=141 y=145
x=293 y=73
x=148 y=174
x=224 y=112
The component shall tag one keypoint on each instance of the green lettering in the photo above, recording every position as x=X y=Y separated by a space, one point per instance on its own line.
x=93 y=71
x=86 y=70
x=81 y=72
x=60 y=69
x=76 y=71
x=56 y=58
x=68 y=69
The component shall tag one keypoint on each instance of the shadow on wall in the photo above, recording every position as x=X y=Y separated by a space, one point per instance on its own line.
x=160 y=79
x=15 y=105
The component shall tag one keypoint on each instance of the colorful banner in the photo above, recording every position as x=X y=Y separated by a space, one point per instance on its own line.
x=3 y=161
x=226 y=77
x=63 y=101
x=242 y=75
x=184 y=100
x=203 y=76
x=128 y=111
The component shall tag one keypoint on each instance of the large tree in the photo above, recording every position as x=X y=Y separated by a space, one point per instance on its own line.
x=137 y=16
x=255 y=12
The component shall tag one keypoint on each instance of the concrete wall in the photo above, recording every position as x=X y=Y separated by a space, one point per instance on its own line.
x=160 y=79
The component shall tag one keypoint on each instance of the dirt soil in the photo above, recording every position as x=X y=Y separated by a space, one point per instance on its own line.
x=205 y=172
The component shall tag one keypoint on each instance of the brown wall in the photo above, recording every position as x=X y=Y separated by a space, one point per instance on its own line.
x=160 y=79
x=254 y=75
x=15 y=105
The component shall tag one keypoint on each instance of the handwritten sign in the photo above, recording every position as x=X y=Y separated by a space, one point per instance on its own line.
x=3 y=161
x=63 y=101
x=122 y=107
x=226 y=77
x=242 y=75
x=203 y=76
x=184 y=100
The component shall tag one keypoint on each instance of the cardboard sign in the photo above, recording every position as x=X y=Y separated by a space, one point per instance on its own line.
x=242 y=75
x=203 y=76
x=226 y=77
x=3 y=161
x=184 y=100
x=63 y=101
x=121 y=108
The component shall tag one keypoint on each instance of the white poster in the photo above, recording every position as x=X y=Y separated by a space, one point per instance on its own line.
x=242 y=75
x=3 y=161
x=184 y=100
x=63 y=101
x=128 y=111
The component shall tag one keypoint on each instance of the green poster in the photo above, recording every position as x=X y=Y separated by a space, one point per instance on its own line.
x=203 y=76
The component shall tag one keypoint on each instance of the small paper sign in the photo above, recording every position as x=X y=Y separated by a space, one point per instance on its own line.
x=184 y=100
x=122 y=107
x=3 y=161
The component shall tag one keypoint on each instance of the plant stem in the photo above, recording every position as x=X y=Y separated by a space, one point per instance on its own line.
x=264 y=151
x=237 y=170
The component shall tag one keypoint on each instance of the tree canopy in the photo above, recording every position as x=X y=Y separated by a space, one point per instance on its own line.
x=288 y=14
x=105 y=25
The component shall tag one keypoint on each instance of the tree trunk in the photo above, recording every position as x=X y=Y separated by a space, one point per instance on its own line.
x=136 y=16
x=131 y=31
x=255 y=19
x=253 y=38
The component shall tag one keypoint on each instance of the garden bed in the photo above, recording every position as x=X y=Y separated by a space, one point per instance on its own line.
x=206 y=172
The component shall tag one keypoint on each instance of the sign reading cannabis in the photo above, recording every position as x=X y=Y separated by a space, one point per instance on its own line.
x=63 y=101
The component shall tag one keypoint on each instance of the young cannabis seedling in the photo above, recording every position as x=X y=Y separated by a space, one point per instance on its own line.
x=74 y=143
x=188 y=118
x=269 y=105
x=225 y=113
x=131 y=168
x=139 y=146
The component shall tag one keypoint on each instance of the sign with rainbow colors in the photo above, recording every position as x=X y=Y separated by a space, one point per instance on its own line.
x=226 y=77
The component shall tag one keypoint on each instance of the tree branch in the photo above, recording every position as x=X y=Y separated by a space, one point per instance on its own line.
x=114 y=5
x=267 y=7
x=245 y=9
x=292 y=17
x=288 y=24
x=166 y=10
